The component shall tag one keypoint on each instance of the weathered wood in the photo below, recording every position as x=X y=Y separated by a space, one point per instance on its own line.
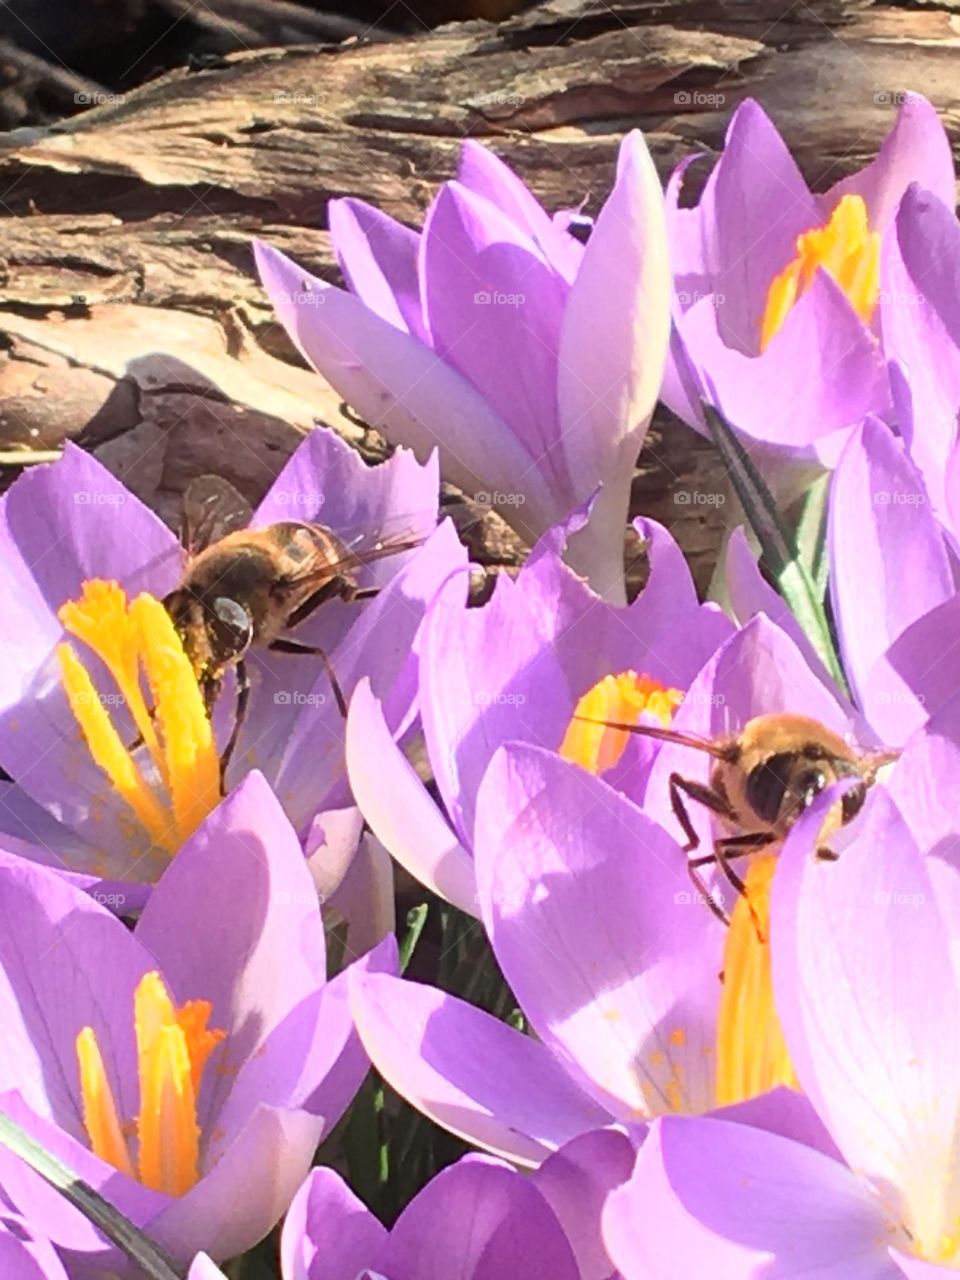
x=129 y=314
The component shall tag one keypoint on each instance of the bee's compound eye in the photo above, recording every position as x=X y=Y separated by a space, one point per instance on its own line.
x=810 y=785
x=232 y=625
x=853 y=801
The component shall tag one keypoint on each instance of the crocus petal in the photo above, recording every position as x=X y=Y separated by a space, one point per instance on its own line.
x=917 y=1269
x=25 y=1256
x=743 y=230
x=329 y=1234
x=494 y=306
x=733 y=1202
x=241 y=960
x=468 y=1071
x=400 y=386
x=822 y=373
x=483 y=1221
x=613 y=344
x=228 y=1210
x=878 y=502
x=203 y=1268
x=378 y=257
x=365 y=896
x=918 y=674
x=327 y=481
x=399 y=808
x=65 y=963
x=916 y=784
x=920 y=319
x=576 y=1181
x=916 y=149
x=633 y=1004
x=381 y=646
x=487 y=175
x=875 y=1052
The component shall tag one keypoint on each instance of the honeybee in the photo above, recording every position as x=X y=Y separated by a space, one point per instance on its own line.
x=764 y=778
x=244 y=588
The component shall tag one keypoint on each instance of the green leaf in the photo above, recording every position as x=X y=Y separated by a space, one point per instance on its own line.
x=416 y=919
x=778 y=544
x=149 y=1257
x=811 y=539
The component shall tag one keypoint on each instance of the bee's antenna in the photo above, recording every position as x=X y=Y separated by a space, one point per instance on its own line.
x=719 y=750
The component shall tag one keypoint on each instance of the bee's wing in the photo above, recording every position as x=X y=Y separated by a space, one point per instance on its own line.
x=212 y=508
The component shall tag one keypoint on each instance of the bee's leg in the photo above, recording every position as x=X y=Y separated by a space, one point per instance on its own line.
x=736 y=847
x=710 y=799
x=294 y=646
x=239 y=716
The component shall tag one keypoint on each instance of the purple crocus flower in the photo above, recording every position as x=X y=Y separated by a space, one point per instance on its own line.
x=187 y=1070
x=478 y=1220
x=65 y=525
x=788 y=351
x=531 y=362
x=920 y=320
x=891 y=585
x=516 y=669
x=612 y=954
x=864 y=971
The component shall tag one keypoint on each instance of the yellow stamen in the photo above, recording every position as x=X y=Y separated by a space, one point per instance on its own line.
x=752 y=1054
x=180 y=739
x=173 y=1046
x=100 y=1117
x=846 y=249
x=622 y=698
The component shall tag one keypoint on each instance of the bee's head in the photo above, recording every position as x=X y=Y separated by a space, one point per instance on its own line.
x=215 y=632
x=784 y=785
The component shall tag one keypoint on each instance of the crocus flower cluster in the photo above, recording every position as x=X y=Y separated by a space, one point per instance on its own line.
x=711 y=846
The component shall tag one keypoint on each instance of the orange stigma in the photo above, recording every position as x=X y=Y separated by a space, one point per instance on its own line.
x=623 y=698
x=752 y=1054
x=177 y=733
x=846 y=249
x=173 y=1046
